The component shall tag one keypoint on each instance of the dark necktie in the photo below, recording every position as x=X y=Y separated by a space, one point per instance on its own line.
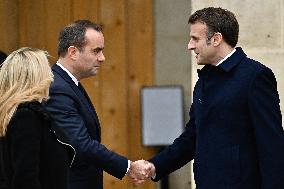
x=81 y=88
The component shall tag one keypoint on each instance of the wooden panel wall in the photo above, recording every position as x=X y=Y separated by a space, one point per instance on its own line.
x=8 y=25
x=115 y=91
x=114 y=85
x=140 y=72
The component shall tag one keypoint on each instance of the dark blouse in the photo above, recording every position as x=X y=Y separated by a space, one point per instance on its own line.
x=31 y=156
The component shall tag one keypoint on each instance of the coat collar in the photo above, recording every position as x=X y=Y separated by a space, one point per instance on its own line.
x=227 y=65
x=233 y=60
x=62 y=73
x=83 y=98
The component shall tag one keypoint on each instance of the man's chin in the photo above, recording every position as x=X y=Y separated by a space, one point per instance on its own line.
x=91 y=74
x=95 y=72
x=200 y=63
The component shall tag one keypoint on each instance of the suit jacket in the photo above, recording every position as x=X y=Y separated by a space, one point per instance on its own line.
x=76 y=122
x=235 y=133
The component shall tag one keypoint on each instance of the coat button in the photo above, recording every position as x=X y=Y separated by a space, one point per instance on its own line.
x=200 y=101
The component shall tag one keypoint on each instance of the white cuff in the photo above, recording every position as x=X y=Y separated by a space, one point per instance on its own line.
x=128 y=167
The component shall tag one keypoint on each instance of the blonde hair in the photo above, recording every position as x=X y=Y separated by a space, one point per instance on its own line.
x=25 y=76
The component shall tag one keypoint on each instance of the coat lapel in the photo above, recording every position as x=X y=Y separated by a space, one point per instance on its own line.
x=84 y=98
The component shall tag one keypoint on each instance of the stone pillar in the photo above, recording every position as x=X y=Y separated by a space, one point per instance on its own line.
x=172 y=61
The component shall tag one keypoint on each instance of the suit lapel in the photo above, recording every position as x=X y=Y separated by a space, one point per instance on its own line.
x=90 y=106
x=82 y=96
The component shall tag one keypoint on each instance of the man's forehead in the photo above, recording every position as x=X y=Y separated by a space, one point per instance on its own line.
x=198 y=28
x=93 y=33
x=198 y=25
x=94 y=38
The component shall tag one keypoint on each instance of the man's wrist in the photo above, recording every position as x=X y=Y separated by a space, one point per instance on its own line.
x=128 y=166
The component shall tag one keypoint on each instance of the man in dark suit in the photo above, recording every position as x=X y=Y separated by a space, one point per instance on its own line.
x=80 y=51
x=235 y=133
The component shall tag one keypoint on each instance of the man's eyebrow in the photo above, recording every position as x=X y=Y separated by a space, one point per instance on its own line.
x=98 y=49
x=194 y=37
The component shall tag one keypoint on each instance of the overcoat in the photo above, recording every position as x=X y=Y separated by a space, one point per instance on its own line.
x=235 y=133
x=31 y=157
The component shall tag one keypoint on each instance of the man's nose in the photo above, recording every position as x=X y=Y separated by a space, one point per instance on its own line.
x=190 y=45
x=102 y=57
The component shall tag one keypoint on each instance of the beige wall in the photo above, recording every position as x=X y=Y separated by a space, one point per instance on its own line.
x=171 y=60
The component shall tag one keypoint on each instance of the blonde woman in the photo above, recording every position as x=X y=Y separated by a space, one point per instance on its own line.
x=31 y=156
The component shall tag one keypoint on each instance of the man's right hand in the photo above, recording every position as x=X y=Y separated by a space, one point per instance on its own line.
x=140 y=170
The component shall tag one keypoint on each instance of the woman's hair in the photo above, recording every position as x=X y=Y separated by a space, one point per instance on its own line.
x=25 y=76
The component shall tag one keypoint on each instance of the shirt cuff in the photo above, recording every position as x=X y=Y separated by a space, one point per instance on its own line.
x=128 y=167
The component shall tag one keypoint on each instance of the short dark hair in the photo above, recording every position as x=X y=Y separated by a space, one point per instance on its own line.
x=218 y=20
x=74 y=34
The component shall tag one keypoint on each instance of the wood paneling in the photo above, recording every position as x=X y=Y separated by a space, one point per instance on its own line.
x=57 y=14
x=140 y=73
x=40 y=22
x=115 y=91
x=32 y=27
x=113 y=83
x=86 y=9
x=8 y=25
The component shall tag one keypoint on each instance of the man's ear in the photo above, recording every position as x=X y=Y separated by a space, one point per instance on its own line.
x=217 y=39
x=73 y=52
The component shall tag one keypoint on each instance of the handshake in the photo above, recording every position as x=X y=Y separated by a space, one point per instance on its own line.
x=141 y=170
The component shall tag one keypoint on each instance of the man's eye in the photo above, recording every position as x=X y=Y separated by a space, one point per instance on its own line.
x=195 y=39
x=96 y=51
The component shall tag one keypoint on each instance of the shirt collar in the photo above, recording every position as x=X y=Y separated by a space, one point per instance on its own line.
x=69 y=73
x=230 y=54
